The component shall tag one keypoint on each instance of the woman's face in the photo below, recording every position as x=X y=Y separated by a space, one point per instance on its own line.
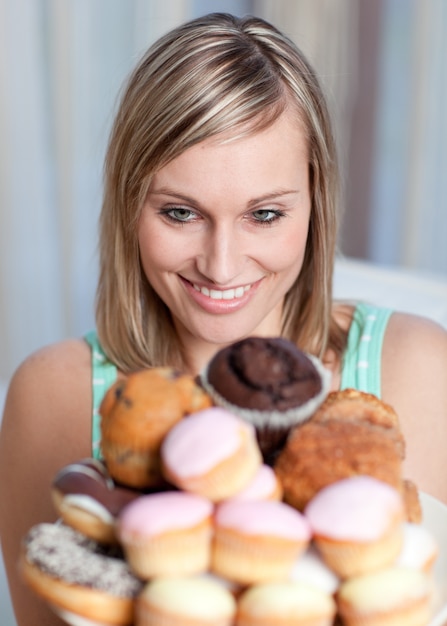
x=223 y=232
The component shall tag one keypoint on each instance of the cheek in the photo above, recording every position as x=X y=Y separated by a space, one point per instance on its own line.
x=287 y=252
x=157 y=251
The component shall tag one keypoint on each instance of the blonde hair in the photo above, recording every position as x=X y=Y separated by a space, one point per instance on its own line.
x=211 y=75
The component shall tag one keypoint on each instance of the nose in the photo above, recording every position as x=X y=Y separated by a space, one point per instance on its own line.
x=221 y=257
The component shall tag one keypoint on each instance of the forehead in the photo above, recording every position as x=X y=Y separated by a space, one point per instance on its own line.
x=244 y=148
x=287 y=121
x=233 y=171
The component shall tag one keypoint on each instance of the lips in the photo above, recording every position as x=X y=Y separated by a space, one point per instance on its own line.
x=222 y=294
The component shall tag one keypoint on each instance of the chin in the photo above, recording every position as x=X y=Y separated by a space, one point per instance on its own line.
x=224 y=334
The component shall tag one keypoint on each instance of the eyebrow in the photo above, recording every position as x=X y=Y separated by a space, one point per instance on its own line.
x=167 y=191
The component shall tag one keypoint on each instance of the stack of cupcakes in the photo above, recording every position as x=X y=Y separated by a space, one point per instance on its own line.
x=206 y=527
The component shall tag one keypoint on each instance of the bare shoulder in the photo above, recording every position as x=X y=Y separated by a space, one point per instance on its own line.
x=51 y=383
x=46 y=425
x=414 y=367
x=47 y=410
x=69 y=356
x=415 y=349
x=48 y=406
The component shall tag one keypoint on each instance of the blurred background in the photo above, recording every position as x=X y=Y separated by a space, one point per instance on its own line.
x=383 y=64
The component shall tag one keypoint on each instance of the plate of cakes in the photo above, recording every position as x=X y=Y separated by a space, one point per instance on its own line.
x=250 y=496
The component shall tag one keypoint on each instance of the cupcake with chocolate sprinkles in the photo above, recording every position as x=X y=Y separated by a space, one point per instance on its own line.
x=80 y=579
x=269 y=382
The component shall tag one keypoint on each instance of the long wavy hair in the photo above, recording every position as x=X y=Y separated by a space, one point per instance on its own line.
x=213 y=75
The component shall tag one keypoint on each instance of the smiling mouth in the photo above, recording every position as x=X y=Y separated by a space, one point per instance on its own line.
x=223 y=294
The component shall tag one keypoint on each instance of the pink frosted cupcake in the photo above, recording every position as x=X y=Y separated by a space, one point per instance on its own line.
x=357 y=525
x=256 y=541
x=264 y=486
x=212 y=453
x=167 y=533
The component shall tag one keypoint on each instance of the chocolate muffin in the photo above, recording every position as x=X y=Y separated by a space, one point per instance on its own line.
x=269 y=382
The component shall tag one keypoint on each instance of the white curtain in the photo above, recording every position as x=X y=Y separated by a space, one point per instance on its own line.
x=62 y=63
x=326 y=31
x=409 y=218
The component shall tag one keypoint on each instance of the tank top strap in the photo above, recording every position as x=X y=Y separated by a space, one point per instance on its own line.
x=363 y=356
x=104 y=374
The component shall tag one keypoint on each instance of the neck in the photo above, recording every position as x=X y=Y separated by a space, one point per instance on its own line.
x=197 y=358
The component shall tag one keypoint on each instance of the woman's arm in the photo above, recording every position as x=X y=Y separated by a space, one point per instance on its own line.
x=46 y=424
x=414 y=382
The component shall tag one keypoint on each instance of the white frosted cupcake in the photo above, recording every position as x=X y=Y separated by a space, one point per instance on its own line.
x=177 y=601
x=311 y=569
x=285 y=604
x=397 y=596
x=419 y=549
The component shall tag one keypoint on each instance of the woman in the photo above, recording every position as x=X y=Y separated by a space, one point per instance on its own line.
x=218 y=222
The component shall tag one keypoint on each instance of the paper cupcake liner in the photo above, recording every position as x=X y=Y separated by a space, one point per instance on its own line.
x=273 y=418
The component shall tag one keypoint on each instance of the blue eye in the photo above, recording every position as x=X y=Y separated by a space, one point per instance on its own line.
x=179 y=214
x=267 y=216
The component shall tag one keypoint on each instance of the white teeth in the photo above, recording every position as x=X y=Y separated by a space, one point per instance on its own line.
x=216 y=295
x=226 y=294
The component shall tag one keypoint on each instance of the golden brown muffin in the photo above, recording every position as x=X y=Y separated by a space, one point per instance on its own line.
x=351 y=404
x=136 y=414
x=319 y=453
x=412 y=502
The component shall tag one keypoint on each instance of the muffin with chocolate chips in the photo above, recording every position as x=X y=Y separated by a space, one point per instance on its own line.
x=136 y=413
x=269 y=382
